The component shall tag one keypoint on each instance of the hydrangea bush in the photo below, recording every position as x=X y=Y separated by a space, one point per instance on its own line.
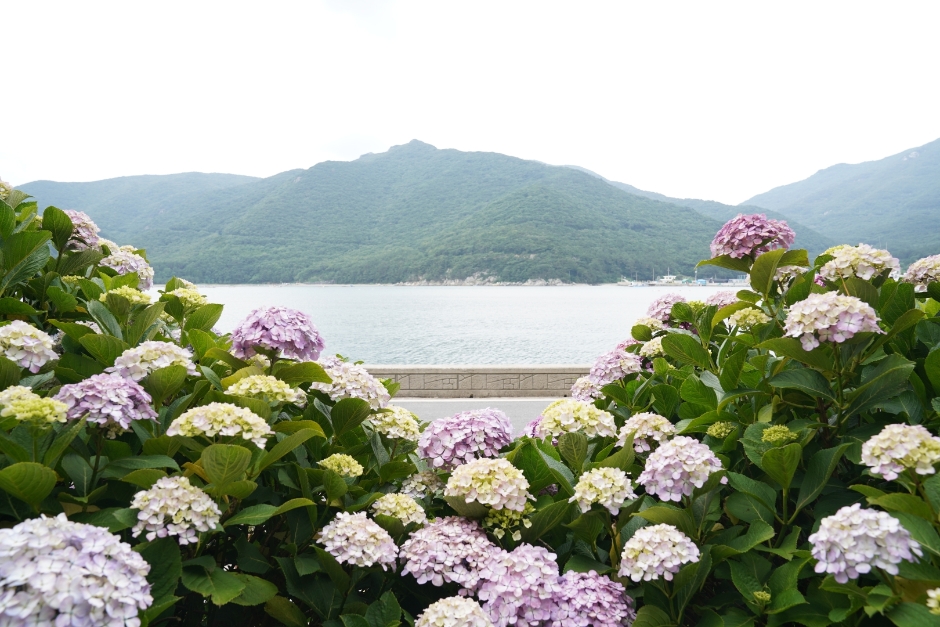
x=771 y=462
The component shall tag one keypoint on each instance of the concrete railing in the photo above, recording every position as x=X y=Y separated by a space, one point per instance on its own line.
x=481 y=381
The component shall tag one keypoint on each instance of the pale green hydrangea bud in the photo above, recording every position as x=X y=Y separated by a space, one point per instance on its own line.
x=189 y=297
x=762 y=597
x=267 y=388
x=396 y=422
x=493 y=482
x=748 y=318
x=36 y=410
x=778 y=434
x=721 y=430
x=342 y=464
x=505 y=520
x=136 y=297
x=402 y=507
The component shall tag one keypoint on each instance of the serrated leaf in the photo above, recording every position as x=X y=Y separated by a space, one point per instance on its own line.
x=225 y=463
x=286 y=445
x=28 y=481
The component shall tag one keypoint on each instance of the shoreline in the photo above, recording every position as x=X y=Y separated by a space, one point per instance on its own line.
x=463 y=284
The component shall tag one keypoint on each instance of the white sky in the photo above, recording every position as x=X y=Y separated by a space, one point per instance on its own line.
x=717 y=100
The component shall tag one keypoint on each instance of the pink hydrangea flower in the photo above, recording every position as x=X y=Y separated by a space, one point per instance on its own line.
x=751 y=235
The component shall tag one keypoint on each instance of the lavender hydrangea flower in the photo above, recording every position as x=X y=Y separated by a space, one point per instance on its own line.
x=677 y=467
x=454 y=612
x=57 y=572
x=458 y=439
x=591 y=600
x=26 y=346
x=286 y=331
x=139 y=361
x=853 y=541
x=422 y=484
x=661 y=308
x=614 y=366
x=521 y=587
x=722 y=299
x=584 y=390
x=923 y=272
x=108 y=400
x=531 y=429
x=84 y=231
x=125 y=262
x=354 y=539
x=353 y=381
x=174 y=507
x=751 y=235
x=656 y=551
x=829 y=317
x=451 y=549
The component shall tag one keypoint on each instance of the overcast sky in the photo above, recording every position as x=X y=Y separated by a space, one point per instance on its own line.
x=716 y=100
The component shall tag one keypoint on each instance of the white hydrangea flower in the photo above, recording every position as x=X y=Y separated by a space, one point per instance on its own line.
x=5 y=189
x=136 y=297
x=54 y=572
x=396 y=422
x=454 y=612
x=653 y=323
x=342 y=464
x=933 y=601
x=402 y=507
x=36 y=410
x=137 y=362
x=653 y=348
x=174 y=507
x=860 y=261
x=853 y=541
x=354 y=539
x=26 y=346
x=922 y=272
x=785 y=274
x=259 y=360
x=677 y=467
x=493 y=482
x=16 y=393
x=829 y=317
x=352 y=381
x=222 y=419
x=585 y=389
x=899 y=447
x=568 y=414
x=748 y=318
x=421 y=484
x=645 y=426
x=608 y=487
x=656 y=551
x=267 y=388
x=189 y=297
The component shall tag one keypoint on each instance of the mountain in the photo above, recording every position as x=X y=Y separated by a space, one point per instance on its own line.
x=805 y=236
x=889 y=203
x=412 y=213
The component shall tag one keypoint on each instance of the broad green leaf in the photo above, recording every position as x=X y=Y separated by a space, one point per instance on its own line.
x=582 y=564
x=694 y=391
x=163 y=555
x=104 y=348
x=105 y=319
x=76 y=263
x=728 y=262
x=59 y=224
x=163 y=383
x=143 y=321
x=573 y=448
x=333 y=569
x=764 y=269
x=144 y=477
x=902 y=502
x=61 y=443
x=913 y=615
x=806 y=380
x=204 y=318
x=920 y=530
x=201 y=341
x=888 y=379
x=306 y=372
x=287 y=445
x=818 y=358
x=728 y=310
x=678 y=518
x=546 y=519
x=219 y=585
x=9 y=373
x=781 y=463
x=23 y=255
x=227 y=358
x=348 y=414
x=652 y=616
x=28 y=481
x=15 y=307
x=818 y=471
x=334 y=485
x=686 y=349
x=762 y=492
x=225 y=463
x=861 y=289
x=284 y=610
x=562 y=475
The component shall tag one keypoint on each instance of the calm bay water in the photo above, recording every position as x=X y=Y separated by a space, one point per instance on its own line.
x=382 y=324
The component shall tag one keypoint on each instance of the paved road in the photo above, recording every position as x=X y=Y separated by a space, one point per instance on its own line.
x=519 y=410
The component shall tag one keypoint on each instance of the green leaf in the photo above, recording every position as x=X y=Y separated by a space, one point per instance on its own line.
x=204 y=318
x=163 y=383
x=913 y=615
x=105 y=319
x=284 y=610
x=622 y=459
x=861 y=289
x=121 y=467
x=888 y=379
x=201 y=341
x=396 y=470
x=679 y=518
x=762 y=492
x=12 y=449
x=573 y=448
x=694 y=391
x=225 y=463
x=77 y=263
x=306 y=372
x=582 y=564
x=901 y=502
x=354 y=620
x=932 y=366
x=61 y=443
x=731 y=370
x=546 y=519
x=806 y=380
x=9 y=373
x=560 y=472
x=726 y=311
x=764 y=269
x=144 y=477
x=143 y=320
x=220 y=585
x=686 y=349
x=348 y=414
x=258 y=514
x=256 y=591
x=652 y=616
x=23 y=255
x=728 y=262
x=333 y=569
x=287 y=445
x=225 y=357
x=15 y=307
x=781 y=463
x=818 y=471
x=163 y=555
x=59 y=223
x=920 y=530
x=665 y=399
x=334 y=484
x=103 y=348
x=818 y=358
x=28 y=481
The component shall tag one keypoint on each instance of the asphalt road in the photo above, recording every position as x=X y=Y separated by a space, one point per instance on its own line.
x=519 y=410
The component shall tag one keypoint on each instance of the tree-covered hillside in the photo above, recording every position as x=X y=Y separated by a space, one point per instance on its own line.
x=892 y=203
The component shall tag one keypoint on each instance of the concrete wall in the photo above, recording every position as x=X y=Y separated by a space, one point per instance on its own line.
x=481 y=381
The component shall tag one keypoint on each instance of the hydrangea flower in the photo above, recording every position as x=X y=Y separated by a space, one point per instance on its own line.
x=520 y=588
x=189 y=297
x=933 y=601
x=677 y=467
x=125 y=262
x=109 y=401
x=721 y=429
x=35 y=409
x=653 y=348
x=627 y=343
x=751 y=235
x=286 y=331
x=222 y=419
x=567 y=414
x=584 y=389
x=174 y=507
x=5 y=189
x=747 y=318
x=900 y=447
x=137 y=362
x=68 y=574
x=654 y=324
x=451 y=549
x=422 y=484
x=785 y=274
x=661 y=308
x=493 y=482
x=16 y=393
x=722 y=299
x=354 y=539
x=922 y=272
x=592 y=600
x=26 y=346
x=84 y=231
x=656 y=551
x=135 y=297
x=259 y=360
x=644 y=427
x=460 y=438
x=860 y=261
x=269 y=389
x=608 y=487
x=778 y=435
x=614 y=366
x=342 y=464
x=502 y=520
x=531 y=429
x=402 y=507
x=396 y=422
x=454 y=612
x=854 y=540
x=353 y=381
x=829 y=317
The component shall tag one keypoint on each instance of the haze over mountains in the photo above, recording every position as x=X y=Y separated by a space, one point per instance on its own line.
x=418 y=213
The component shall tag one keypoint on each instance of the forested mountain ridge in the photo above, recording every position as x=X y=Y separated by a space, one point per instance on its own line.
x=412 y=213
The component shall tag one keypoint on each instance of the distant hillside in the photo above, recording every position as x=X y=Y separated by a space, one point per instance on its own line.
x=805 y=236
x=412 y=213
x=893 y=202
